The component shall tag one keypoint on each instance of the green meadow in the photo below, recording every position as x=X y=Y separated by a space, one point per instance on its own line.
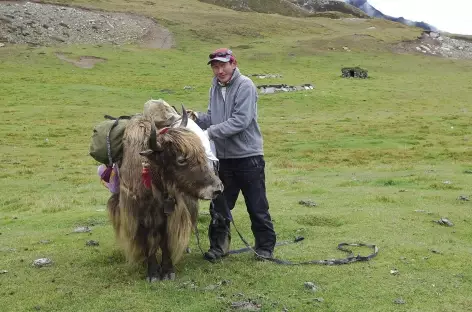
x=382 y=158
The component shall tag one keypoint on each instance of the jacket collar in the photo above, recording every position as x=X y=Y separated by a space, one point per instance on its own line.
x=236 y=74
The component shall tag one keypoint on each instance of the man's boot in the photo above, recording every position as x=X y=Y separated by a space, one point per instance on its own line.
x=220 y=239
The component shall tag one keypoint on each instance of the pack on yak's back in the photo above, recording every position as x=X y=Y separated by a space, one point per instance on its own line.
x=106 y=145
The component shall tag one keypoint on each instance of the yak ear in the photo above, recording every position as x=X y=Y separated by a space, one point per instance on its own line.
x=146 y=153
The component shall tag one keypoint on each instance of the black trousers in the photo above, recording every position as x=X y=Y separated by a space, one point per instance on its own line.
x=246 y=175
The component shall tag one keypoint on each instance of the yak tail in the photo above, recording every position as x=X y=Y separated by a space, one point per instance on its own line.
x=179 y=229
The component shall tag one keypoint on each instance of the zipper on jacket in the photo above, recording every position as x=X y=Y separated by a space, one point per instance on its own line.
x=224 y=113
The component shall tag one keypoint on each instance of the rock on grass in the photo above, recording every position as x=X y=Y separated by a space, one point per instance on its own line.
x=245 y=306
x=39 y=263
x=92 y=243
x=307 y=203
x=444 y=221
x=82 y=229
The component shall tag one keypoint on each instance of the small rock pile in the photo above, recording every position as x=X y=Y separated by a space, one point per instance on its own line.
x=263 y=76
x=269 y=89
x=46 y=24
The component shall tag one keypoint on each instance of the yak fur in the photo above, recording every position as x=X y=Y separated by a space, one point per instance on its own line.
x=180 y=171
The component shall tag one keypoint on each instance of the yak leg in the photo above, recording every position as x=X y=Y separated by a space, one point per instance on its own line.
x=153 y=269
x=167 y=272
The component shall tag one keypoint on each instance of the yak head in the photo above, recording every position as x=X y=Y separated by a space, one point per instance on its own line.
x=178 y=161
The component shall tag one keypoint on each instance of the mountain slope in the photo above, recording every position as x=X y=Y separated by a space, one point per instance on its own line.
x=298 y=8
x=316 y=6
x=365 y=6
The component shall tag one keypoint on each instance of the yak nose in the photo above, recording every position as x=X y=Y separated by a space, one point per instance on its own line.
x=219 y=190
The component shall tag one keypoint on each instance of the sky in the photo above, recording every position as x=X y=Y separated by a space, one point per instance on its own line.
x=454 y=16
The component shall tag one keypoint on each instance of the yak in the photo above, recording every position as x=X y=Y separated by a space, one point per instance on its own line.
x=159 y=215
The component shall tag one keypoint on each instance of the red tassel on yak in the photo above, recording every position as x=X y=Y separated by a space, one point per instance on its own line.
x=164 y=130
x=146 y=176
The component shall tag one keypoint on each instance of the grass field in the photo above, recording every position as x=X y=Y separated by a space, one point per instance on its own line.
x=382 y=158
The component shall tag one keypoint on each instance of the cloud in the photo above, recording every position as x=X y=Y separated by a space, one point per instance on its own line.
x=451 y=16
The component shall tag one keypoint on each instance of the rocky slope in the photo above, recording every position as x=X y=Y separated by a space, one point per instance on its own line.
x=298 y=8
x=316 y=6
x=433 y=43
x=45 y=24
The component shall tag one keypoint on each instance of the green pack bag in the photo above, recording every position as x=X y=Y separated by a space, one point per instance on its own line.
x=106 y=145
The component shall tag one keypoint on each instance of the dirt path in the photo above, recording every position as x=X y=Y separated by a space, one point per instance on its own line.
x=83 y=61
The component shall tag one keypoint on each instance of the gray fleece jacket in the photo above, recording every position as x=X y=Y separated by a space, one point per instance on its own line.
x=231 y=122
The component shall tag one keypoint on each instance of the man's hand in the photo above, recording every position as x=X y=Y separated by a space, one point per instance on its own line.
x=192 y=115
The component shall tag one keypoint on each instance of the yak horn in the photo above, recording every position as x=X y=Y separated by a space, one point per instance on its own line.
x=153 y=138
x=184 y=121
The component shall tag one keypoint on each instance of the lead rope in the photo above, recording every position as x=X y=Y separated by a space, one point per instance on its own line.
x=349 y=259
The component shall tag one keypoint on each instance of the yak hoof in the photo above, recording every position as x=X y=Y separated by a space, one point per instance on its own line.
x=152 y=279
x=169 y=276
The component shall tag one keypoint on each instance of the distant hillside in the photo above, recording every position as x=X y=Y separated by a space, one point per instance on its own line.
x=317 y=6
x=298 y=8
x=365 y=6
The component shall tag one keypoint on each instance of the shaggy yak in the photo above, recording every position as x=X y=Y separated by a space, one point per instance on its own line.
x=159 y=214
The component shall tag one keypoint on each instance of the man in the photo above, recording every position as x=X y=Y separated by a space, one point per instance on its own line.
x=231 y=123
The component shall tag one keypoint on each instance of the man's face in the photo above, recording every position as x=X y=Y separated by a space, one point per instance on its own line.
x=223 y=70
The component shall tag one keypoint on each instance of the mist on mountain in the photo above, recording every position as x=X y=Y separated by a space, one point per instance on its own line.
x=365 y=6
